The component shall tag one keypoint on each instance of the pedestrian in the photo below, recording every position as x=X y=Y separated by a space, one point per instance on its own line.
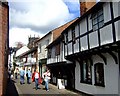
x=28 y=74
x=36 y=77
x=46 y=77
x=22 y=73
x=9 y=75
x=16 y=73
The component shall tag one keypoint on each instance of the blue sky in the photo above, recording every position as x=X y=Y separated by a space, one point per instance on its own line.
x=38 y=17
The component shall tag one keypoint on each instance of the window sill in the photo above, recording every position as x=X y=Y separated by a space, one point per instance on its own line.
x=101 y=85
x=90 y=83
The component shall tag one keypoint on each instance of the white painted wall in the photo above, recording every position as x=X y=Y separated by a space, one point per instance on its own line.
x=89 y=22
x=58 y=58
x=106 y=12
x=84 y=43
x=70 y=48
x=106 y=35
x=116 y=7
x=83 y=26
x=111 y=73
x=76 y=45
x=43 y=53
x=117 y=28
x=93 y=39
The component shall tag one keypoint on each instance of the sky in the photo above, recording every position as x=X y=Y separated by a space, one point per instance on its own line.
x=38 y=17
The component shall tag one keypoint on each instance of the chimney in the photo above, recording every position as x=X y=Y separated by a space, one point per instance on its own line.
x=85 y=5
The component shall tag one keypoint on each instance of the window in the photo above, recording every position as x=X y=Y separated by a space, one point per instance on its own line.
x=73 y=35
x=66 y=38
x=97 y=20
x=40 y=47
x=47 y=42
x=99 y=74
x=86 y=72
x=49 y=53
x=57 y=51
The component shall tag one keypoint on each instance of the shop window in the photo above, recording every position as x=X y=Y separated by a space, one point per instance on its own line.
x=99 y=74
x=86 y=72
x=97 y=20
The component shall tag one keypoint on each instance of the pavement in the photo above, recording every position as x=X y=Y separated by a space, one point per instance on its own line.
x=14 y=88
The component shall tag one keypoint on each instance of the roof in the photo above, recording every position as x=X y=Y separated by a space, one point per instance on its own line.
x=43 y=37
x=56 y=41
x=60 y=30
x=57 y=32
x=21 y=50
x=29 y=51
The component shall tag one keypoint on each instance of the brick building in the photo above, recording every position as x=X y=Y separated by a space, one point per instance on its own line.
x=4 y=45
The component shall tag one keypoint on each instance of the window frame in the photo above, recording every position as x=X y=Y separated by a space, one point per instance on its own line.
x=73 y=34
x=102 y=84
x=87 y=80
x=66 y=37
x=49 y=53
x=40 y=48
x=96 y=20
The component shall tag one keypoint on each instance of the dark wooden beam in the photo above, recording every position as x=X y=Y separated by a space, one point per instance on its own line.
x=114 y=56
x=103 y=57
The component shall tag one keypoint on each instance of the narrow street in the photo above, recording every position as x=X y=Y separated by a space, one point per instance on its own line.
x=16 y=89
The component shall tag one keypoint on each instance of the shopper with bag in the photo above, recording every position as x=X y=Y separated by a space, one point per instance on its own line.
x=46 y=77
x=36 y=78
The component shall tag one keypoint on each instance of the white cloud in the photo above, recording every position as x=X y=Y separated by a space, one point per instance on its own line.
x=36 y=16
x=39 y=14
x=21 y=34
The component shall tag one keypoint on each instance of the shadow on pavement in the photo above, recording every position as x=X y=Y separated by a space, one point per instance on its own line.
x=11 y=89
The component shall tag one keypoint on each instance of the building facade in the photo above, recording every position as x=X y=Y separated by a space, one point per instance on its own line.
x=92 y=43
x=4 y=45
x=60 y=68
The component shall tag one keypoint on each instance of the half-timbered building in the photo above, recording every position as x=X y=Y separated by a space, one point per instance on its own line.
x=56 y=61
x=92 y=43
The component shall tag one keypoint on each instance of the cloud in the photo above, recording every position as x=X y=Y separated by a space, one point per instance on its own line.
x=21 y=34
x=39 y=16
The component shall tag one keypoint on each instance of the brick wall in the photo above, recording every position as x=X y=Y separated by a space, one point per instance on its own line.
x=4 y=40
x=85 y=5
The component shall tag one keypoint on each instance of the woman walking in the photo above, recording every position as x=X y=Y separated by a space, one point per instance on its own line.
x=36 y=76
x=46 y=77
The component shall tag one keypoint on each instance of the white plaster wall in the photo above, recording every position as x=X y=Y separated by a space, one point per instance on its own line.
x=76 y=46
x=65 y=50
x=77 y=30
x=117 y=29
x=106 y=34
x=111 y=72
x=69 y=35
x=116 y=7
x=89 y=22
x=43 y=53
x=83 y=26
x=93 y=39
x=106 y=12
x=84 y=43
x=69 y=48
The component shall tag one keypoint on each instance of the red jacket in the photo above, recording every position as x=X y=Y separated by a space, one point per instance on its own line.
x=33 y=76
